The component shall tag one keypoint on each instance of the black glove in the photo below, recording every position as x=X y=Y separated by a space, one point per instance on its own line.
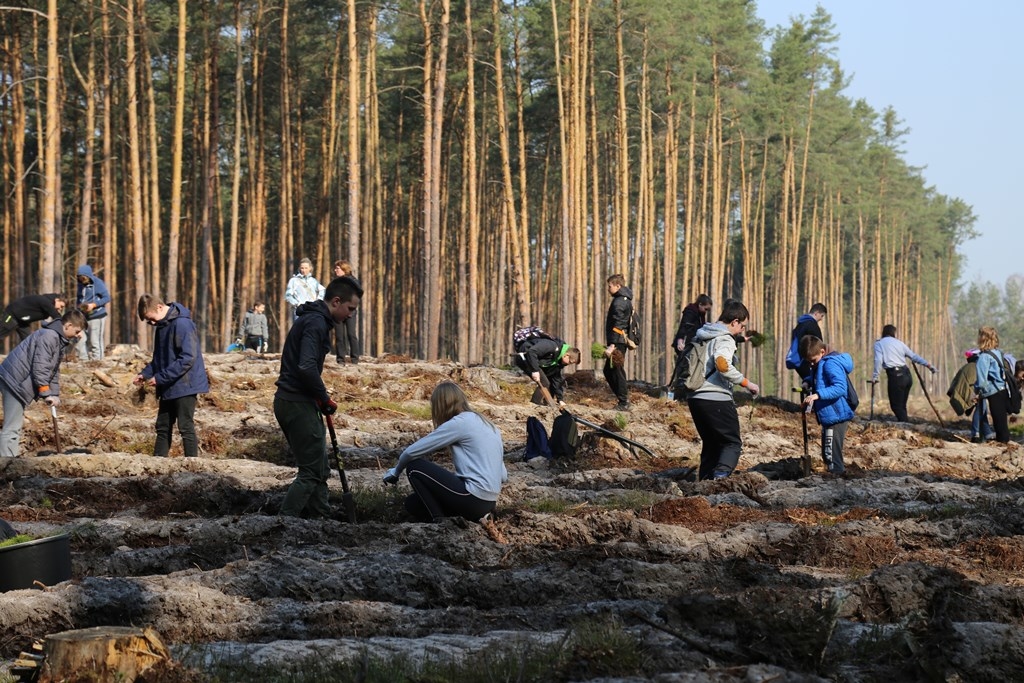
x=328 y=407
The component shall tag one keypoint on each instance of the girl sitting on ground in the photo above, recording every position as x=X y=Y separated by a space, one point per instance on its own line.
x=477 y=451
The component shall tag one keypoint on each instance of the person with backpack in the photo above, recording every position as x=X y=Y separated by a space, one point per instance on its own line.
x=892 y=354
x=806 y=324
x=828 y=398
x=695 y=315
x=991 y=382
x=477 y=452
x=616 y=327
x=543 y=358
x=712 y=405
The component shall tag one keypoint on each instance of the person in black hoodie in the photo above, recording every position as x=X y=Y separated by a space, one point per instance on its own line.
x=616 y=325
x=543 y=360
x=694 y=317
x=302 y=399
x=21 y=313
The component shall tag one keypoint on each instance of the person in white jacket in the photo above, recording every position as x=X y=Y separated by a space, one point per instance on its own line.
x=477 y=452
x=303 y=287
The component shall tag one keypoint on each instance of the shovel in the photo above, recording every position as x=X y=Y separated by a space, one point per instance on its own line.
x=805 y=462
x=56 y=432
x=346 y=497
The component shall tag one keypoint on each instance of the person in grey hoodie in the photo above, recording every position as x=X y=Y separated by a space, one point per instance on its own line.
x=477 y=451
x=712 y=406
x=32 y=371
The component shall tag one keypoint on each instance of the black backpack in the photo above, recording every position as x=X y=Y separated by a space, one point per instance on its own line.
x=1012 y=389
x=565 y=439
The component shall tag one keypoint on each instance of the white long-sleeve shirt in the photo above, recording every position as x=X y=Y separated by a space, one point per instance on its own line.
x=890 y=352
x=477 y=453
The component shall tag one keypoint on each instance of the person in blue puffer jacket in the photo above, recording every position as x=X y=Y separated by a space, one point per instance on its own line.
x=177 y=372
x=828 y=398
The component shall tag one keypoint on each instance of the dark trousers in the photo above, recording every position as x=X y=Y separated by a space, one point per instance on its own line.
x=10 y=324
x=304 y=429
x=439 y=493
x=254 y=342
x=180 y=411
x=832 y=438
x=346 y=343
x=718 y=424
x=998 y=407
x=616 y=377
x=898 y=389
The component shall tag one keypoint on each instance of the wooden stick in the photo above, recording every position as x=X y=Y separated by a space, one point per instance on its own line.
x=925 y=389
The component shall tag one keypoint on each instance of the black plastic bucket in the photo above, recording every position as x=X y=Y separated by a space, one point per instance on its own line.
x=46 y=560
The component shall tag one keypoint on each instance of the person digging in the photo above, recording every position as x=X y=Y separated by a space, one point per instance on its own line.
x=543 y=360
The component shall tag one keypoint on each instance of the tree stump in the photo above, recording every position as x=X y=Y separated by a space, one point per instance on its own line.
x=103 y=653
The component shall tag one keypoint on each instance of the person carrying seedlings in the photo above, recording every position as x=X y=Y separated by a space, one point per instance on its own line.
x=177 y=372
x=301 y=400
x=712 y=405
x=93 y=297
x=32 y=371
x=255 y=332
x=19 y=315
x=828 y=398
x=892 y=354
x=616 y=325
x=543 y=359
x=477 y=452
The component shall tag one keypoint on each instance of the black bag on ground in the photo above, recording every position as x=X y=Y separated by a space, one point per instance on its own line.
x=565 y=438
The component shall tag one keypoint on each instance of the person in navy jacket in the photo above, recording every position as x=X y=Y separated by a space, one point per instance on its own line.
x=177 y=372
x=829 y=391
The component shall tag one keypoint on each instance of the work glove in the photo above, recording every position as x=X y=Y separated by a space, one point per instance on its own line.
x=53 y=401
x=753 y=388
x=535 y=376
x=609 y=350
x=391 y=476
x=561 y=404
x=328 y=407
x=805 y=387
x=933 y=369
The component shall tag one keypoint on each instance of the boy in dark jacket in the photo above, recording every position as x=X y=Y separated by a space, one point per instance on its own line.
x=806 y=325
x=21 y=313
x=543 y=360
x=616 y=325
x=93 y=297
x=829 y=389
x=32 y=371
x=302 y=398
x=177 y=371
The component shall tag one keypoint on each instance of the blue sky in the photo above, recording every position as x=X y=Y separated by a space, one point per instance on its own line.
x=954 y=73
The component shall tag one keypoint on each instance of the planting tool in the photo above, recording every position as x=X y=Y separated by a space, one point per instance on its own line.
x=547 y=395
x=805 y=461
x=872 y=416
x=925 y=390
x=56 y=432
x=346 y=497
x=612 y=435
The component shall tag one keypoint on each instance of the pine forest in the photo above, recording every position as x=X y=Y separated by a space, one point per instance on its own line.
x=482 y=165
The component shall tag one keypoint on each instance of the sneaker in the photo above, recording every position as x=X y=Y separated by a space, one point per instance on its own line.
x=622 y=406
x=719 y=475
x=341 y=360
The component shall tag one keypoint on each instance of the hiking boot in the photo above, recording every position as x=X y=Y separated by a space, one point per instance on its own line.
x=622 y=406
x=341 y=360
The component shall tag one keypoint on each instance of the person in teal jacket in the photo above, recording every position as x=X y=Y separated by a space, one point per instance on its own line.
x=828 y=398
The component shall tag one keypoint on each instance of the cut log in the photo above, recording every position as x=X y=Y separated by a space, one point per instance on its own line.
x=104 y=378
x=108 y=653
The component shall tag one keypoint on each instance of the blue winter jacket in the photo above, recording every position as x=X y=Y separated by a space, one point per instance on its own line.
x=830 y=384
x=32 y=369
x=990 y=373
x=95 y=292
x=177 y=361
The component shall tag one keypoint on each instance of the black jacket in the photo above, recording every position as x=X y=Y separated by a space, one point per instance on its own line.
x=33 y=307
x=691 y=321
x=302 y=360
x=619 y=312
x=544 y=355
x=806 y=325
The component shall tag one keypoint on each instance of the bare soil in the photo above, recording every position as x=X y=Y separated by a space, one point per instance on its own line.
x=909 y=568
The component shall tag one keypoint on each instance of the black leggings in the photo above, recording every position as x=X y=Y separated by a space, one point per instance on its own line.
x=438 y=493
x=900 y=382
x=998 y=407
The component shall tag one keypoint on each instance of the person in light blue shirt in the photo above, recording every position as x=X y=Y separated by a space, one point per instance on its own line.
x=990 y=384
x=891 y=355
x=477 y=451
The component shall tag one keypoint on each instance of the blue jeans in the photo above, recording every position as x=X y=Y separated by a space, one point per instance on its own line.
x=14 y=420
x=979 y=421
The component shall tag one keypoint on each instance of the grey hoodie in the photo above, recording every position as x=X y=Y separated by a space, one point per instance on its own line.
x=718 y=386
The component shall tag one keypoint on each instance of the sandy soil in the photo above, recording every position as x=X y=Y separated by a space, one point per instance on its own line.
x=907 y=569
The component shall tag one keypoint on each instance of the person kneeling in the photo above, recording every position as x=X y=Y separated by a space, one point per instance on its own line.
x=828 y=398
x=477 y=451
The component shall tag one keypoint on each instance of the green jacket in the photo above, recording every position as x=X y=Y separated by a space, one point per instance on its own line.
x=961 y=389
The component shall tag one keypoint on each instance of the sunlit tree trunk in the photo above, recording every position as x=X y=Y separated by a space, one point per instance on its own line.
x=177 y=153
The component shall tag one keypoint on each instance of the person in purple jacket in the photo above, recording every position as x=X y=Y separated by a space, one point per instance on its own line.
x=177 y=372
x=829 y=390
